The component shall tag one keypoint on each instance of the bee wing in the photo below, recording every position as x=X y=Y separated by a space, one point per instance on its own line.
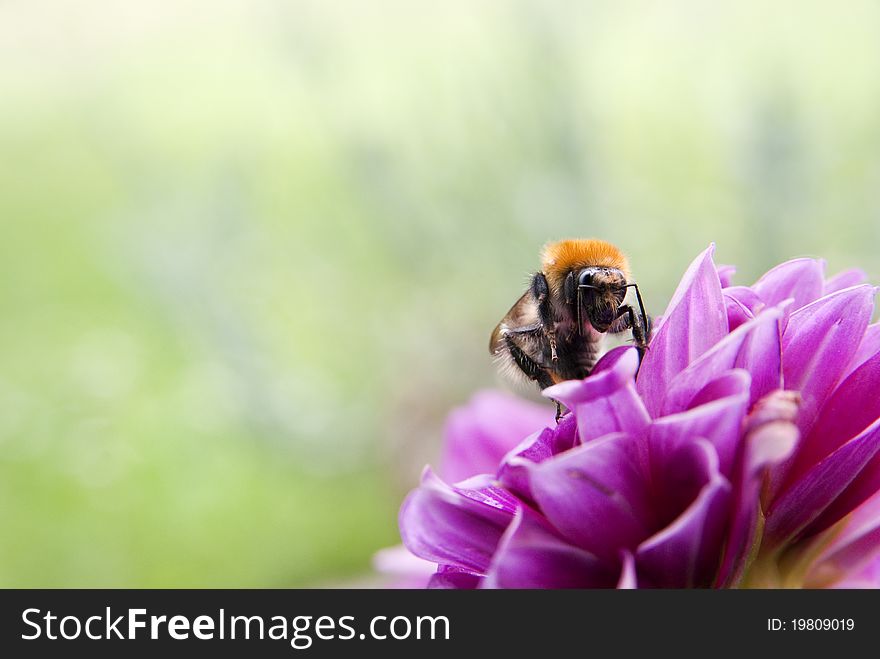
x=523 y=315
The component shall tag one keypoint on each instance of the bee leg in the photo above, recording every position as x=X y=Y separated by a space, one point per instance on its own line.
x=532 y=369
x=551 y=337
x=627 y=319
x=558 y=410
x=649 y=325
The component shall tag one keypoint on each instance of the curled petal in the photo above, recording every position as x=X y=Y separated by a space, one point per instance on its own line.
x=606 y=401
x=801 y=279
x=628 y=578
x=695 y=320
x=547 y=442
x=685 y=553
x=677 y=477
x=596 y=495
x=611 y=360
x=754 y=346
x=452 y=578
x=746 y=297
x=845 y=279
x=734 y=382
x=769 y=437
x=513 y=473
x=457 y=526
x=819 y=341
x=614 y=371
x=737 y=314
x=802 y=503
x=533 y=555
x=717 y=420
x=478 y=434
x=725 y=274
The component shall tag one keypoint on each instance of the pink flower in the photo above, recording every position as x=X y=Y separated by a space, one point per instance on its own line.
x=745 y=452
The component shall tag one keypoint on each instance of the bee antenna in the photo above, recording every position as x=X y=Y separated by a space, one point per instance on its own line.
x=580 y=322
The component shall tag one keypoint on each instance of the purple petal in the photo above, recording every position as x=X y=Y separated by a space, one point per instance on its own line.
x=734 y=382
x=854 y=547
x=845 y=279
x=611 y=360
x=695 y=320
x=513 y=473
x=479 y=434
x=532 y=555
x=820 y=340
x=811 y=494
x=761 y=356
x=405 y=569
x=868 y=347
x=868 y=577
x=753 y=346
x=677 y=477
x=801 y=279
x=738 y=312
x=718 y=421
x=725 y=274
x=458 y=526
x=452 y=578
x=854 y=405
x=614 y=370
x=863 y=487
x=685 y=553
x=746 y=297
x=769 y=437
x=547 y=442
x=628 y=578
x=596 y=495
x=606 y=401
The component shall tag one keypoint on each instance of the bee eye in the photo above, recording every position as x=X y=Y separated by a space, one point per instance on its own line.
x=585 y=278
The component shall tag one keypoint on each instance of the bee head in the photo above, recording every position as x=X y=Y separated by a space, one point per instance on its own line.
x=597 y=292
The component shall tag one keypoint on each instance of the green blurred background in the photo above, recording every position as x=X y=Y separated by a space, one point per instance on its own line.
x=252 y=251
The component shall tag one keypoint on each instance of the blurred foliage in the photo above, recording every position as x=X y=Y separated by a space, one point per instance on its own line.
x=252 y=251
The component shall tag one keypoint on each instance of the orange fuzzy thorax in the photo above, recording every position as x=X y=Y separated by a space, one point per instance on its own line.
x=560 y=258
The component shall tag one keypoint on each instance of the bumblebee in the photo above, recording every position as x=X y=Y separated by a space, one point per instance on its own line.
x=554 y=332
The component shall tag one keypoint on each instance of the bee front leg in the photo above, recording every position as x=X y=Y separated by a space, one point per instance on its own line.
x=558 y=410
x=531 y=368
x=627 y=319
